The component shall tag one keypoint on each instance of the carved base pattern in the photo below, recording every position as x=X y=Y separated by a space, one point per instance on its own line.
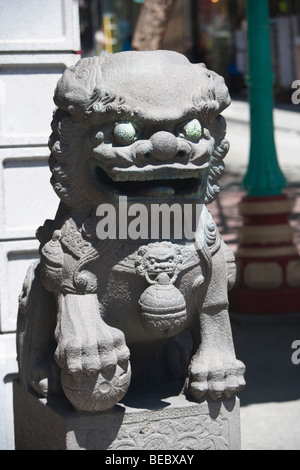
x=179 y=425
x=180 y=428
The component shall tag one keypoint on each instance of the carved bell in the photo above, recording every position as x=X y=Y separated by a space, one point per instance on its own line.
x=163 y=308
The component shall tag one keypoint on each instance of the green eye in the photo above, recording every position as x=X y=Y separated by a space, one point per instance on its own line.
x=192 y=131
x=125 y=133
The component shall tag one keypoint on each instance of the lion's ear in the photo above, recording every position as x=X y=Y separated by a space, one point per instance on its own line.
x=75 y=88
x=212 y=97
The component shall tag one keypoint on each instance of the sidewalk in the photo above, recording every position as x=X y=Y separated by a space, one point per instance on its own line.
x=270 y=404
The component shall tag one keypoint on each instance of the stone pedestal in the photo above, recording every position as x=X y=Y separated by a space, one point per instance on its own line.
x=168 y=424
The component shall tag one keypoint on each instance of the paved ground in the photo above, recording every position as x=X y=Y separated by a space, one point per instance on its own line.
x=270 y=404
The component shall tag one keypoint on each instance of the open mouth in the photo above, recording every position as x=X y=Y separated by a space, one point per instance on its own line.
x=186 y=184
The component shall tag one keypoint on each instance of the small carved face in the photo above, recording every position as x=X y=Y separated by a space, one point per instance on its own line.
x=157 y=258
x=145 y=125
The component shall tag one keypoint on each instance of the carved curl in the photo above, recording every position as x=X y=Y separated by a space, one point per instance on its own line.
x=212 y=97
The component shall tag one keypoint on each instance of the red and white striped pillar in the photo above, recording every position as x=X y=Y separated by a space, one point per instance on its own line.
x=268 y=263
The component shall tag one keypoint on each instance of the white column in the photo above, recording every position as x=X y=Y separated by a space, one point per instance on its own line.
x=38 y=40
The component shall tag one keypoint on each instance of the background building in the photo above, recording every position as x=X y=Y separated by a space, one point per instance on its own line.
x=210 y=31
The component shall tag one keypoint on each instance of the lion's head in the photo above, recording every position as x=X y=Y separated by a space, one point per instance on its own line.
x=142 y=124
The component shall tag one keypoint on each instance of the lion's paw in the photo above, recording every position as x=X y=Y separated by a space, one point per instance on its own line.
x=218 y=379
x=97 y=375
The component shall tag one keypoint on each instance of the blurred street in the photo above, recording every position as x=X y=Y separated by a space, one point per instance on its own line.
x=270 y=404
x=287 y=138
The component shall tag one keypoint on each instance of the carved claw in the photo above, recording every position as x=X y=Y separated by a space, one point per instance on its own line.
x=88 y=354
x=215 y=380
x=96 y=376
x=46 y=377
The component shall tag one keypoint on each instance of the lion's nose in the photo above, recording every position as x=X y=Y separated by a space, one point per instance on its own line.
x=163 y=146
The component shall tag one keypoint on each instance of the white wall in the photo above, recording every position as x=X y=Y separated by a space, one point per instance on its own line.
x=38 y=40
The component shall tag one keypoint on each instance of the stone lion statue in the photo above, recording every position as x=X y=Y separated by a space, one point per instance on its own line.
x=101 y=316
